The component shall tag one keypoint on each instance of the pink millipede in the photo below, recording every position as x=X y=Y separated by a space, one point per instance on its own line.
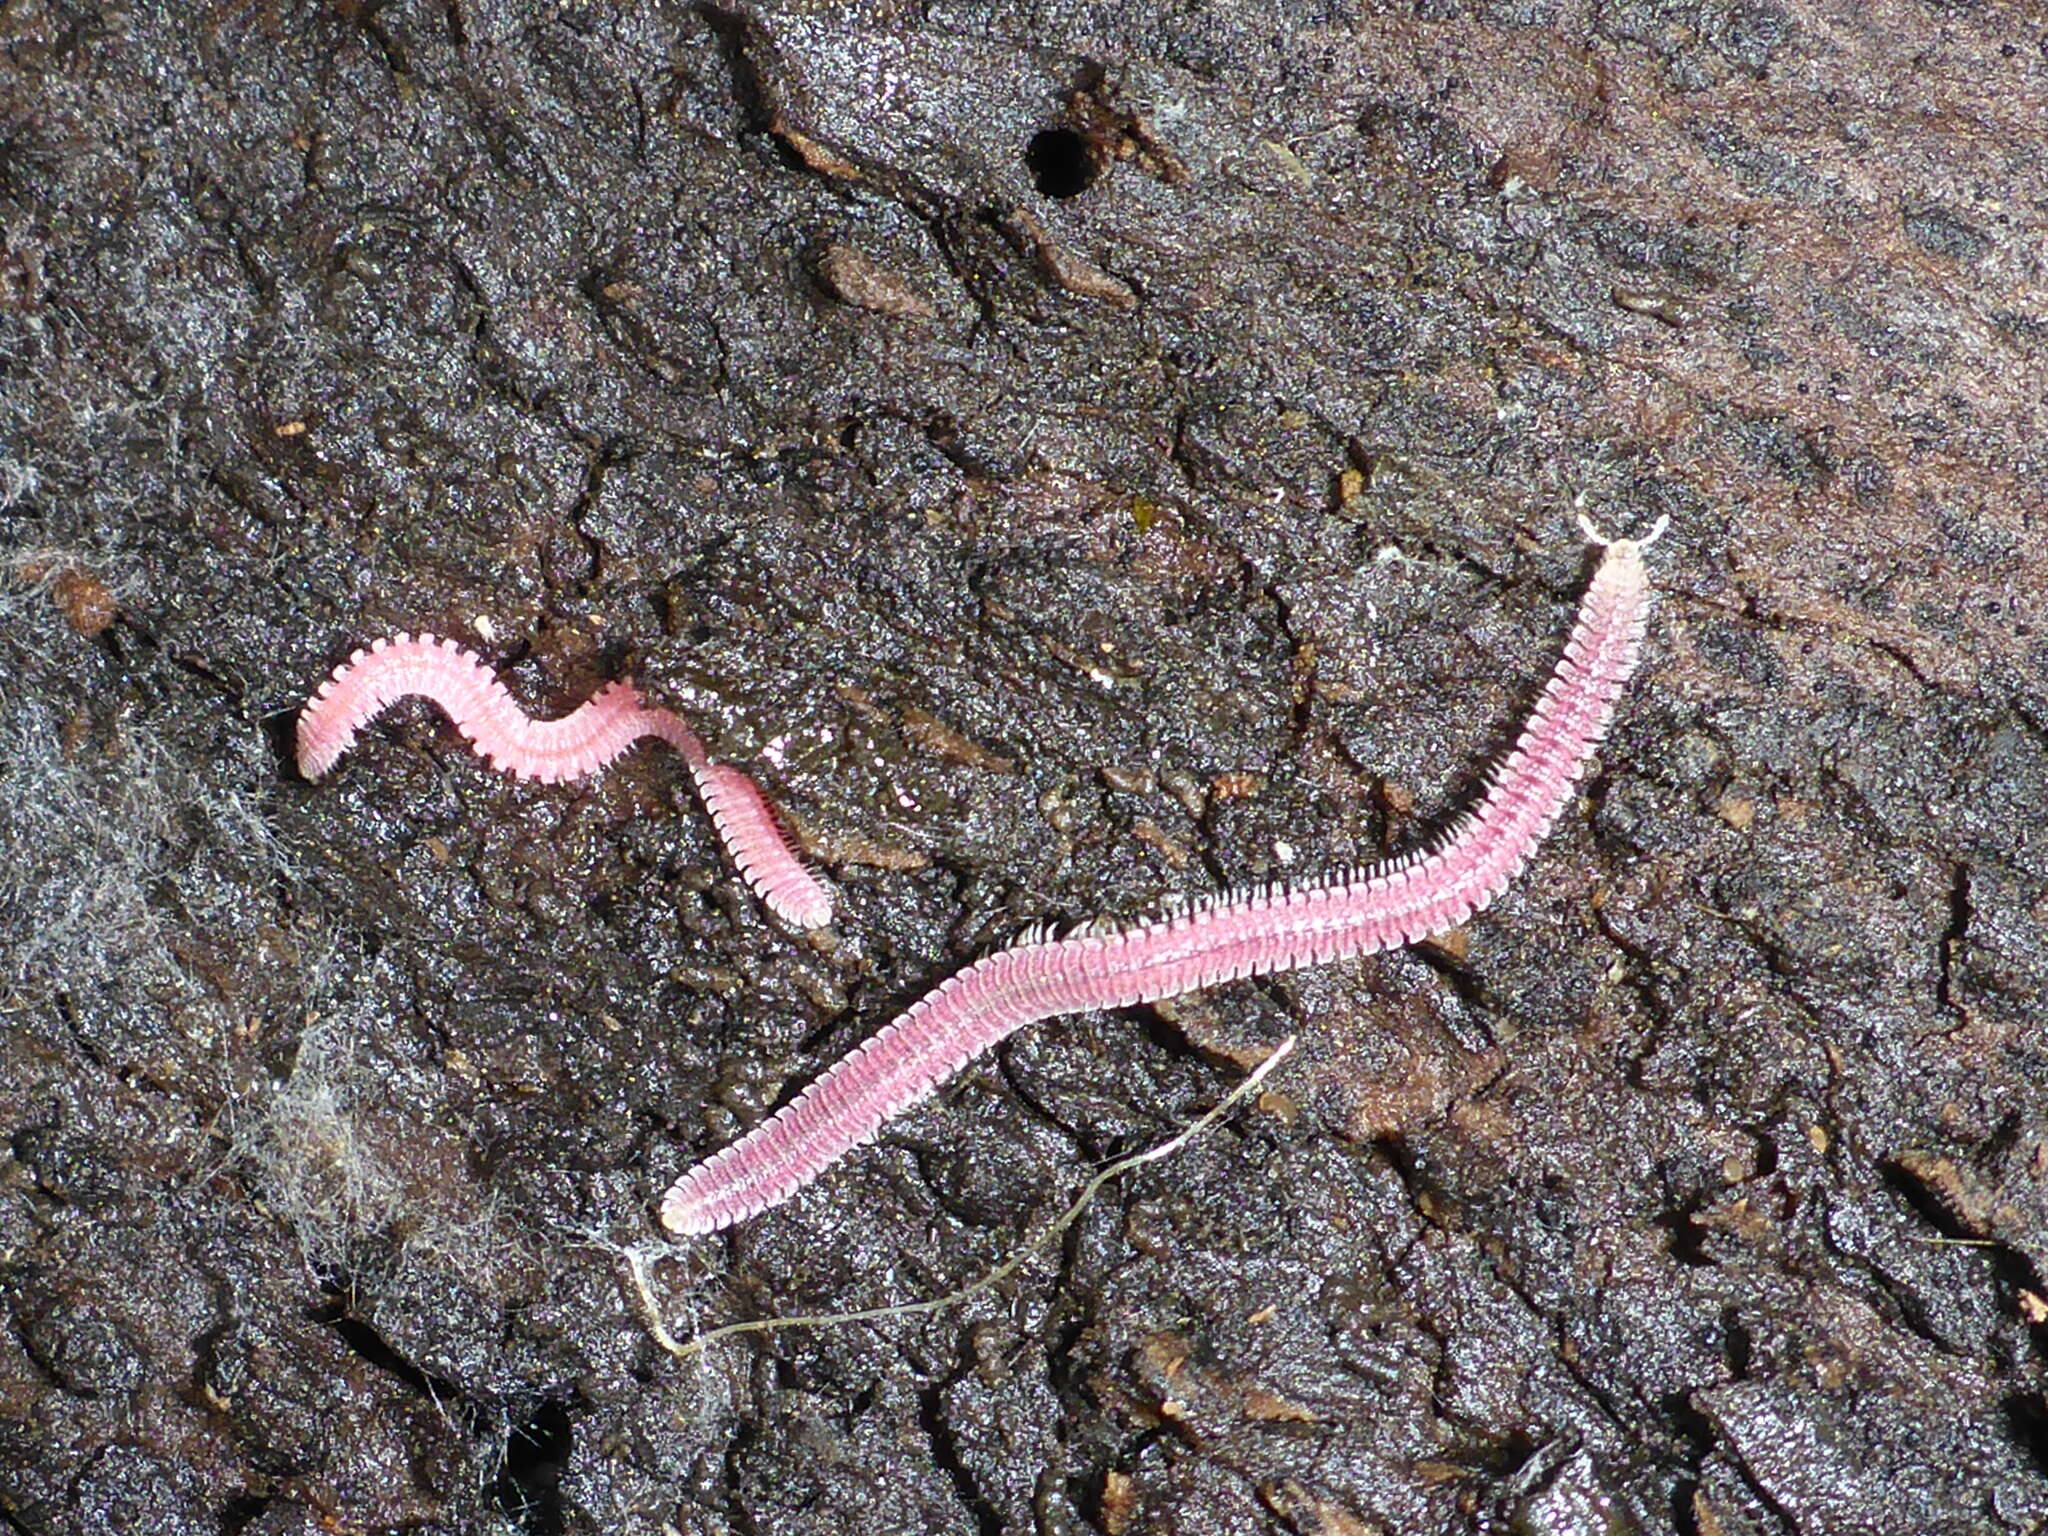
x=579 y=743
x=1246 y=933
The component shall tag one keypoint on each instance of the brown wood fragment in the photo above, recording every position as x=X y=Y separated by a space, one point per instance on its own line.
x=1148 y=831
x=1314 y=1514
x=1657 y=303
x=1739 y=811
x=857 y=279
x=935 y=736
x=1061 y=266
x=1119 y=1502
x=1236 y=785
x=815 y=156
x=84 y=600
x=1262 y=1403
x=1123 y=133
x=842 y=847
x=1524 y=168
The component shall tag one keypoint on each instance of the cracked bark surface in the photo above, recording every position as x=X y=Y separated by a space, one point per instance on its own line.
x=1097 y=453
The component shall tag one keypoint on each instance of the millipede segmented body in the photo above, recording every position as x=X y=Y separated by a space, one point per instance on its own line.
x=581 y=742
x=1250 y=933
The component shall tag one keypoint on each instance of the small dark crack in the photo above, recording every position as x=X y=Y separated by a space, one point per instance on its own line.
x=931 y=1413
x=1949 y=953
x=364 y=1340
x=236 y=1515
x=737 y=1449
x=537 y=1450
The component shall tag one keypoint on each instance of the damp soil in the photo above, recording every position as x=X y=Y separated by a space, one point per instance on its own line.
x=1079 y=455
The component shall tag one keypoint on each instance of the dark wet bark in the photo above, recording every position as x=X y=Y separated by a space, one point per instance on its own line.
x=1107 y=452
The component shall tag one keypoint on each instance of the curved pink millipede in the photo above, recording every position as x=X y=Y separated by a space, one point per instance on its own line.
x=1247 y=933
x=579 y=743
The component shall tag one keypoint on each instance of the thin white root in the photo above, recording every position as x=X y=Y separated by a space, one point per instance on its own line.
x=636 y=1257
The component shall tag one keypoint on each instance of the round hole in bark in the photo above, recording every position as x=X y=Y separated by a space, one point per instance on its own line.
x=1061 y=162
